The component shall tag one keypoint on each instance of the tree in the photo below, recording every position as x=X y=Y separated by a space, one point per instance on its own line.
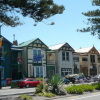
x=35 y=9
x=93 y=20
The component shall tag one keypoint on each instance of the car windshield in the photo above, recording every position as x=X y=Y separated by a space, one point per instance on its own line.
x=96 y=75
x=76 y=77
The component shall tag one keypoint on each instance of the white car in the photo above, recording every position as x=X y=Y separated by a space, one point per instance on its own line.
x=96 y=78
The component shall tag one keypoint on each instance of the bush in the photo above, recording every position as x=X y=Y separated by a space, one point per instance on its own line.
x=25 y=97
x=79 y=89
x=40 y=94
x=49 y=95
x=39 y=88
x=97 y=86
x=74 y=89
x=39 y=78
x=87 y=87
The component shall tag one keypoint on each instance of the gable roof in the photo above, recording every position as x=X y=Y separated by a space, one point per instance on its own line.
x=86 y=50
x=4 y=39
x=61 y=46
x=83 y=50
x=26 y=43
x=56 y=47
x=23 y=44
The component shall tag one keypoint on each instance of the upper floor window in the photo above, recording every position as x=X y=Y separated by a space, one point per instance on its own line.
x=36 y=52
x=76 y=59
x=84 y=59
x=65 y=56
x=92 y=58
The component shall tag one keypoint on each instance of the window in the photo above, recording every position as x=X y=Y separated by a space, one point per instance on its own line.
x=84 y=59
x=65 y=56
x=65 y=71
x=76 y=59
x=92 y=58
x=36 y=52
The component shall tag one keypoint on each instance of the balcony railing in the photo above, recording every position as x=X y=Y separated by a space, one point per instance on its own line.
x=50 y=62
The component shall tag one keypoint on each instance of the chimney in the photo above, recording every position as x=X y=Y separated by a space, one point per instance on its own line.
x=15 y=41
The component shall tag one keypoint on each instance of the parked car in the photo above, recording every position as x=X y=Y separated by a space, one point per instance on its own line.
x=28 y=82
x=75 y=78
x=96 y=78
x=66 y=81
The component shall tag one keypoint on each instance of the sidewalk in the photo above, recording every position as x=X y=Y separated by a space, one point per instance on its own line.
x=6 y=88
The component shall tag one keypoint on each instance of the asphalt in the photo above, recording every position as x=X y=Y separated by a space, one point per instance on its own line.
x=13 y=96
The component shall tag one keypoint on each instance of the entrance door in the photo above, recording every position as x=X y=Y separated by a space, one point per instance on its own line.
x=38 y=71
x=51 y=73
x=85 y=71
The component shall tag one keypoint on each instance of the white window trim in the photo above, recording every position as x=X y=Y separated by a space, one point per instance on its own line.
x=65 y=56
x=37 y=50
x=35 y=70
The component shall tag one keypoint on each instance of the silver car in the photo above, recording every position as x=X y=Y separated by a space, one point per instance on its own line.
x=96 y=78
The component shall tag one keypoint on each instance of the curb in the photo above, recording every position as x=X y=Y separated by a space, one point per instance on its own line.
x=17 y=94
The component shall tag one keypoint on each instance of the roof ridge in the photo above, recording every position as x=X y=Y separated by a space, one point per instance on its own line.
x=27 y=41
x=57 y=44
x=83 y=48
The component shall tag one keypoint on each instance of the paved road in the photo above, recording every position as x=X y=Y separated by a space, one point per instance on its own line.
x=4 y=92
x=89 y=96
x=10 y=91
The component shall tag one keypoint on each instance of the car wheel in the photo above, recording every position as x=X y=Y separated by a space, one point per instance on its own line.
x=27 y=85
x=67 y=82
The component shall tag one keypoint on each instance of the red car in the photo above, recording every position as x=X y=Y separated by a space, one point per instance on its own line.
x=28 y=82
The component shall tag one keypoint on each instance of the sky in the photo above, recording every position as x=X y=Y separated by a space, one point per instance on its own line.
x=64 y=29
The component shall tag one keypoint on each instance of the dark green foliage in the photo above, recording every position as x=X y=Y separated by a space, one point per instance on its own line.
x=93 y=20
x=35 y=9
x=54 y=82
x=97 y=86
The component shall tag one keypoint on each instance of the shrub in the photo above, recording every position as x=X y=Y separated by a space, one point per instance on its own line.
x=74 y=89
x=79 y=89
x=39 y=88
x=49 y=95
x=39 y=78
x=40 y=94
x=25 y=97
x=97 y=86
x=87 y=87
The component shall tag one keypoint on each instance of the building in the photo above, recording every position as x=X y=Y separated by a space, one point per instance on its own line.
x=35 y=59
x=88 y=58
x=67 y=61
x=10 y=65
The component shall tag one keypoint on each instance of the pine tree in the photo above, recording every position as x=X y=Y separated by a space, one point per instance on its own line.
x=35 y=9
x=93 y=20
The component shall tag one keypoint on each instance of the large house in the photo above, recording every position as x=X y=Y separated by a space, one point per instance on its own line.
x=67 y=61
x=11 y=66
x=88 y=58
x=38 y=60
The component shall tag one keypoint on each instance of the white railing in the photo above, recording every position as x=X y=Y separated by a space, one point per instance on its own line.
x=50 y=62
